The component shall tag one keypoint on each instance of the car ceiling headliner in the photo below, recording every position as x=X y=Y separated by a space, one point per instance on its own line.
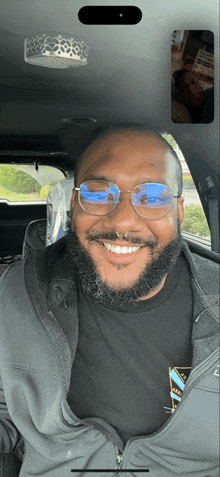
x=127 y=77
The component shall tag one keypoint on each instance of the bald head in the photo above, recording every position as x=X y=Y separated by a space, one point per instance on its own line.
x=132 y=144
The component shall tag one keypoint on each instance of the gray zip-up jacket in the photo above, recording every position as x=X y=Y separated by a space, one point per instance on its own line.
x=38 y=339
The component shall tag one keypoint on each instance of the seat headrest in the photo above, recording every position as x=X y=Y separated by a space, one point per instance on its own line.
x=35 y=235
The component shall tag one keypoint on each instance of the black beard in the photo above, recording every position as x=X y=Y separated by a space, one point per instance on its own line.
x=108 y=297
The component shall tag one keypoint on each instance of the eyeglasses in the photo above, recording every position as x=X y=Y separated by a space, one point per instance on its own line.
x=152 y=201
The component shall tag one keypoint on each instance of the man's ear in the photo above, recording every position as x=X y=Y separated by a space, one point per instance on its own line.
x=181 y=210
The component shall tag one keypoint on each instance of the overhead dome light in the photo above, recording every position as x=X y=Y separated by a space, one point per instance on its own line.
x=55 y=51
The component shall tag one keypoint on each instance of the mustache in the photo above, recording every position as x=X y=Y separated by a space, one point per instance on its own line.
x=105 y=236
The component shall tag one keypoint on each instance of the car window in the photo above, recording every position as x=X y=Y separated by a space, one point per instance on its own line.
x=195 y=220
x=24 y=184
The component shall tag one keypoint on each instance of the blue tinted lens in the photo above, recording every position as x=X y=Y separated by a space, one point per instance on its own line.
x=152 y=195
x=99 y=192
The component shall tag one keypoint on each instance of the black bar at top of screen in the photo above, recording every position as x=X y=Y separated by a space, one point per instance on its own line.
x=110 y=15
x=110 y=470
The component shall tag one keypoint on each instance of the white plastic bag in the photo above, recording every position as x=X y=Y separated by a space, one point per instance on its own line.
x=58 y=210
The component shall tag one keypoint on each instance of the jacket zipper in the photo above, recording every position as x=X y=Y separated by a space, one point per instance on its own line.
x=202 y=368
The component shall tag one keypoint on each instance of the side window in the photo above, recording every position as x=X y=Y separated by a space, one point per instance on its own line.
x=23 y=184
x=195 y=220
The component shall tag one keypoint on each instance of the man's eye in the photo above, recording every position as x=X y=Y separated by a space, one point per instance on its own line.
x=110 y=197
x=144 y=198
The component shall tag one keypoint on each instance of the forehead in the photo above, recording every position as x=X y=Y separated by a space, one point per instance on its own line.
x=126 y=157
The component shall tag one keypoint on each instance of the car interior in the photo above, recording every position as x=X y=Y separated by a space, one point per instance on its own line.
x=65 y=78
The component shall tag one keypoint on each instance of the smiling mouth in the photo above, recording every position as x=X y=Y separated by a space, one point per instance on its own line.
x=117 y=249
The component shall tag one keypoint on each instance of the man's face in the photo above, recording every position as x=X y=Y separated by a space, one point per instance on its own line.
x=192 y=84
x=126 y=159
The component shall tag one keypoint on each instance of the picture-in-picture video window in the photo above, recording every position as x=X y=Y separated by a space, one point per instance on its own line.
x=192 y=76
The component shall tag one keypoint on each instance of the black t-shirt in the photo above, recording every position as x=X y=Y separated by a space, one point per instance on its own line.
x=130 y=367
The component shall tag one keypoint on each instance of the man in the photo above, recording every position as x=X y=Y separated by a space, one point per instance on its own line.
x=187 y=97
x=101 y=329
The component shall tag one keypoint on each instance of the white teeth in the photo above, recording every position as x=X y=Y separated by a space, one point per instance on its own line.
x=117 y=249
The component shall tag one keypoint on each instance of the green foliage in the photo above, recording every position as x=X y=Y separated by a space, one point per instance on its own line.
x=18 y=181
x=195 y=221
x=170 y=140
x=44 y=191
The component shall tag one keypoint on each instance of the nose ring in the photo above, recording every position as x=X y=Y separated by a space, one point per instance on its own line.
x=118 y=235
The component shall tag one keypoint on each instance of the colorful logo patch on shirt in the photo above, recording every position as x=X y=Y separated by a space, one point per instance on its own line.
x=178 y=377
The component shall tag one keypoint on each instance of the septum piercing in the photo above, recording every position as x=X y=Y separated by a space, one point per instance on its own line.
x=118 y=235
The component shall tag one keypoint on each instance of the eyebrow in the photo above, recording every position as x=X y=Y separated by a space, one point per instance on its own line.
x=156 y=180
